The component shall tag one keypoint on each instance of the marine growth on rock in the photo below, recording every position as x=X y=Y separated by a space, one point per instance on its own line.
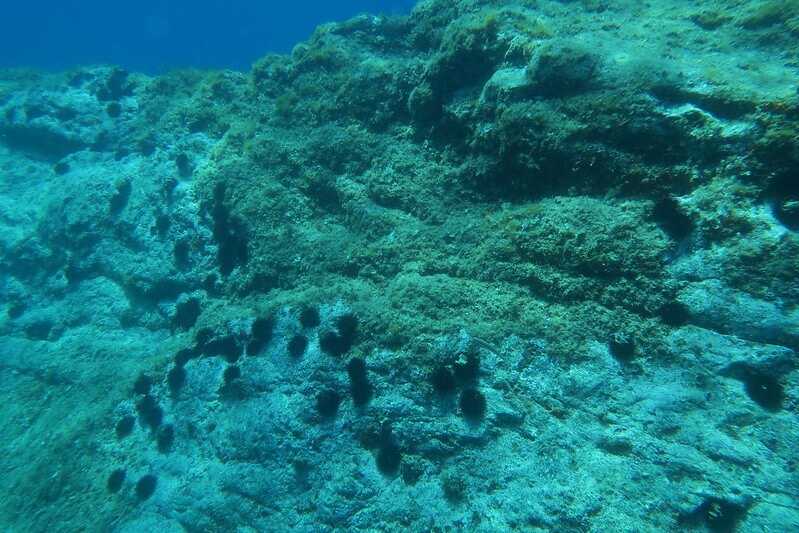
x=489 y=266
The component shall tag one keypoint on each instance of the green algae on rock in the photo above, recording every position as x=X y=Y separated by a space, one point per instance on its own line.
x=520 y=186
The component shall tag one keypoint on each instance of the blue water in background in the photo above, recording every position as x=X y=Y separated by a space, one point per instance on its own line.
x=153 y=36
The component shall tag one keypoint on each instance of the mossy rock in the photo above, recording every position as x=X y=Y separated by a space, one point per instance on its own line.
x=779 y=146
x=710 y=20
x=770 y=13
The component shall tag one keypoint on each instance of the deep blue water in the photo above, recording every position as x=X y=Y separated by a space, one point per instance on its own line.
x=153 y=36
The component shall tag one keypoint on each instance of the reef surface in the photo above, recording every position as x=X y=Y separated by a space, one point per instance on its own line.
x=489 y=266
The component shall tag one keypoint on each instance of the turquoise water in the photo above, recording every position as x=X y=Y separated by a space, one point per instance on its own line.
x=482 y=267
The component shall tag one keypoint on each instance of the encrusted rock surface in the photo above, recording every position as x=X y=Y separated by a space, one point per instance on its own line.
x=584 y=210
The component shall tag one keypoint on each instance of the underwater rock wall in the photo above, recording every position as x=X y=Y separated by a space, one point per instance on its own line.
x=485 y=267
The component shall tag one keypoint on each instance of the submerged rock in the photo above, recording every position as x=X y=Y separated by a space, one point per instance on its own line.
x=485 y=267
